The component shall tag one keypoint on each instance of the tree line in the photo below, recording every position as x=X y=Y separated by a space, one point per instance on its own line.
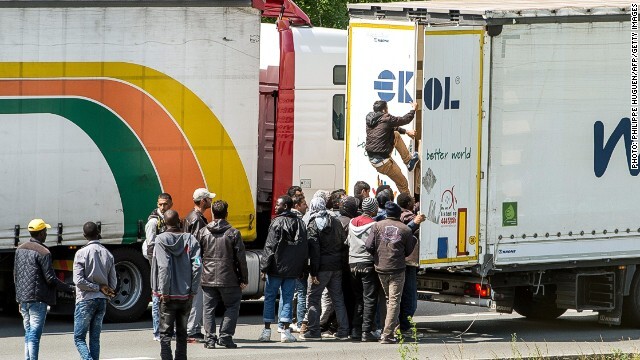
x=329 y=13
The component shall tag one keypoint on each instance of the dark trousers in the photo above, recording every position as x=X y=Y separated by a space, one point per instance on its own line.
x=365 y=282
x=230 y=297
x=409 y=301
x=332 y=280
x=174 y=311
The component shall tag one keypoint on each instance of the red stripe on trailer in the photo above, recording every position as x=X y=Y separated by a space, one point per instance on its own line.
x=284 y=132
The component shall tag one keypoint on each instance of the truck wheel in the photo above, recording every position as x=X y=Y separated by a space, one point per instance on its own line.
x=631 y=303
x=537 y=307
x=133 y=292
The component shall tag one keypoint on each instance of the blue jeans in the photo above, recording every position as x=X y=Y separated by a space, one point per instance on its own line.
x=33 y=315
x=88 y=318
x=286 y=287
x=155 y=315
x=301 y=305
x=409 y=301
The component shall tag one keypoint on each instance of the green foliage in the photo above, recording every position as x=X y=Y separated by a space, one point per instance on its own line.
x=329 y=13
x=410 y=351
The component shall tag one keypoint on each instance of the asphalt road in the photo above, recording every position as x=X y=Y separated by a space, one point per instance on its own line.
x=445 y=332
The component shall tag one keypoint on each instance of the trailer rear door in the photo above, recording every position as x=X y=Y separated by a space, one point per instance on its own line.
x=451 y=142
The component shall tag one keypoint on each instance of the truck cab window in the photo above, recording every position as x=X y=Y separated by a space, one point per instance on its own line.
x=338 y=117
x=340 y=75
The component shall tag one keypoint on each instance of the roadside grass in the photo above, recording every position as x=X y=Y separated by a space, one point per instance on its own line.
x=408 y=350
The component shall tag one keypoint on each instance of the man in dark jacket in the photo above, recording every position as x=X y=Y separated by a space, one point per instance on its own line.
x=175 y=278
x=348 y=209
x=409 y=301
x=224 y=275
x=383 y=134
x=36 y=285
x=300 y=295
x=283 y=261
x=390 y=242
x=193 y=222
x=328 y=249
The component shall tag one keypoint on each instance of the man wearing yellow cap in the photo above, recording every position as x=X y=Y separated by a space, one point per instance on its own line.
x=36 y=285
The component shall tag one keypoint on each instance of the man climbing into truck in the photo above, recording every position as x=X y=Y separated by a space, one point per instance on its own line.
x=383 y=135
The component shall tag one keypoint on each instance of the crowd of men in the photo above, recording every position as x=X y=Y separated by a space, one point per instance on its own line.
x=353 y=258
x=348 y=262
x=340 y=259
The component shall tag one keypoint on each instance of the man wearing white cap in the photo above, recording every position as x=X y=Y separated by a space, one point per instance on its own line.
x=195 y=221
x=36 y=285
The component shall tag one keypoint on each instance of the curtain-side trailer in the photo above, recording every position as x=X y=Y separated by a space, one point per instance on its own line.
x=528 y=137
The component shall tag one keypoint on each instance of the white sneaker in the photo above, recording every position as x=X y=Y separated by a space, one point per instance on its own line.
x=286 y=336
x=265 y=336
x=280 y=330
x=294 y=328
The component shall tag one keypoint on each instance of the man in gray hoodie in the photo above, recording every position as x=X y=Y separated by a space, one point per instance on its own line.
x=175 y=278
x=364 y=278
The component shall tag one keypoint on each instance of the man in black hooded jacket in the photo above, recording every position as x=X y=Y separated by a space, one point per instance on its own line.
x=383 y=134
x=224 y=275
x=284 y=259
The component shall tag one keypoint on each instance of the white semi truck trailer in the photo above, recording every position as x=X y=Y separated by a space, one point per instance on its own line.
x=528 y=139
x=105 y=105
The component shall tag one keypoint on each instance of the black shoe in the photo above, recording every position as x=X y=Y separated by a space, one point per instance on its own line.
x=355 y=335
x=368 y=336
x=227 y=342
x=210 y=345
x=415 y=158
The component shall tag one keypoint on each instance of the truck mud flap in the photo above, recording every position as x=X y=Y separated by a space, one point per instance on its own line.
x=614 y=316
x=503 y=299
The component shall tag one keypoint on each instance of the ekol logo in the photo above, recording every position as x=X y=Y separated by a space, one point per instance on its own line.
x=437 y=92
x=385 y=86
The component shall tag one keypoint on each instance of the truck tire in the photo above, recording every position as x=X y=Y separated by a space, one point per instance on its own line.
x=536 y=307
x=631 y=303
x=133 y=292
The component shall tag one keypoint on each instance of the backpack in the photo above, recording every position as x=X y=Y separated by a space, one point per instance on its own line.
x=160 y=225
